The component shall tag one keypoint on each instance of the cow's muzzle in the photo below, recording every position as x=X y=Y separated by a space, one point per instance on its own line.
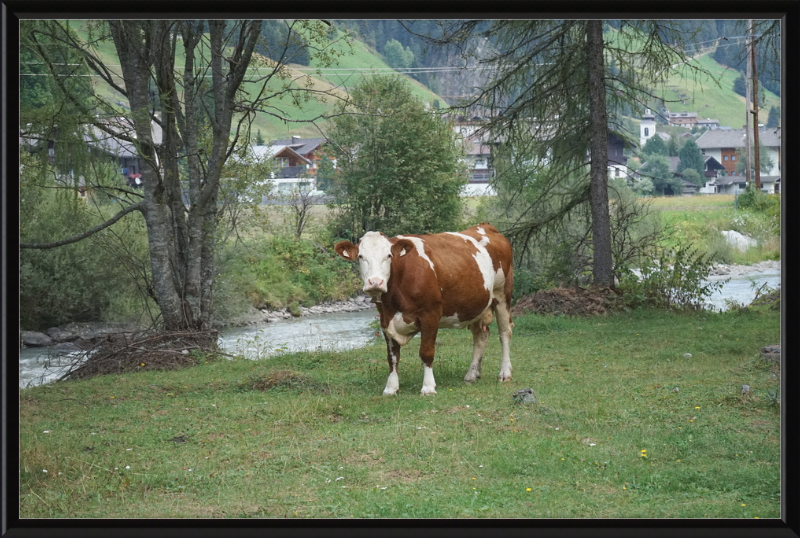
x=375 y=286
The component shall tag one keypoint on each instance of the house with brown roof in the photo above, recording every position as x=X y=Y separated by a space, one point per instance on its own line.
x=682 y=119
x=296 y=159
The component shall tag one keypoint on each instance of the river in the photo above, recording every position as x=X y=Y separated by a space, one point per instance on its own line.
x=341 y=331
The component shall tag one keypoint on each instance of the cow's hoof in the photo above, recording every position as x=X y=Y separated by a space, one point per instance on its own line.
x=504 y=378
x=389 y=392
x=425 y=391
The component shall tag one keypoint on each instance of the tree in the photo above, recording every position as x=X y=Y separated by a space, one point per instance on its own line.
x=552 y=85
x=739 y=85
x=184 y=80
x=774 y=118
x=655 y=146
x=766 y=164
x=399 y=166
x=657 y=170
x=396 y=55
x=691 y=158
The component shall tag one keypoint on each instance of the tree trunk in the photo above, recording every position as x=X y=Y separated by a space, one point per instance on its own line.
x=135 y=62
x=598 y=125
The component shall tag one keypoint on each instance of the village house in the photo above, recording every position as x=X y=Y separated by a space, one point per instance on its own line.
x=682 y=119
x=478 y=156
x=297 y=162
x=103 y=146
x=723 y=145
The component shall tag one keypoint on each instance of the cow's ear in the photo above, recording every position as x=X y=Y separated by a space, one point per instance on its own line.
x=346 y=250
x=402 y=247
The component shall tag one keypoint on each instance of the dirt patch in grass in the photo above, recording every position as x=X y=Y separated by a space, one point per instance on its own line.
x=570 y=301
x=287 y=379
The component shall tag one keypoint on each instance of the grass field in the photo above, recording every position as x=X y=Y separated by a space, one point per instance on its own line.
x=628 y=426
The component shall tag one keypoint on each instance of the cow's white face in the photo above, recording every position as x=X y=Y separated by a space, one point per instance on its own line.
x=375 y=262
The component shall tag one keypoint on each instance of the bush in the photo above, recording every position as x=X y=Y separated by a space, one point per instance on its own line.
x=96 y=279
x=675 y=279
x=277 y=273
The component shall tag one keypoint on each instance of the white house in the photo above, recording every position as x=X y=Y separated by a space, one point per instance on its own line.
x=723 y=144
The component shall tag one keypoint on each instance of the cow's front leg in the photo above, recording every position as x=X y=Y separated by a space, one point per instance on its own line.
x=393 y=350
x=427 y=349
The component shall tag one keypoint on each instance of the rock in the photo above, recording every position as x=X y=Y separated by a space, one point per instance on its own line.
x=59 y=335
x=524 y=396
x=771 y=353
x=35 y=339
x=739 y=241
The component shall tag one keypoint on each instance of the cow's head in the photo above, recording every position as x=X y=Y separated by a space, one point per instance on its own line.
x=374 y=254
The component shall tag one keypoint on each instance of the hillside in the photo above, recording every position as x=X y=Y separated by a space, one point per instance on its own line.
x=711 y=97
x=355 y=61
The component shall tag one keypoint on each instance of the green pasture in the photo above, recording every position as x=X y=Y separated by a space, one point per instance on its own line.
x=640 y=415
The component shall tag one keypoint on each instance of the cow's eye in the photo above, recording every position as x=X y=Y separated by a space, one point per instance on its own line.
x=360 y=257
x=389 y=256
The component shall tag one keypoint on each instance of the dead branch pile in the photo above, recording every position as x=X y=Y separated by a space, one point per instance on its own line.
x=570 y=301
x=129 y=352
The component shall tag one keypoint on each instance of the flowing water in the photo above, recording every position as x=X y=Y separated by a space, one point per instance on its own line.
x=336 y=332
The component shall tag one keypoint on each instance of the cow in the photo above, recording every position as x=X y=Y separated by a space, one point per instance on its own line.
x=423 y=283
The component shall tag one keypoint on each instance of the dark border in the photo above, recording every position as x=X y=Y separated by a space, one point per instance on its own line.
x=12 y=10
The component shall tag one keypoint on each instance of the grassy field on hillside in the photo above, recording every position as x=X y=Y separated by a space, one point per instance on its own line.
x=640 y=415
x=709 y=99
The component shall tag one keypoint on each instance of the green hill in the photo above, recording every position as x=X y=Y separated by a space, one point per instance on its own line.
x=355 y=61
x=711 y=99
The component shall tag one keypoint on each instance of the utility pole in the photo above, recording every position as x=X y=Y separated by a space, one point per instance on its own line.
x=747 y=83
x=756 y=151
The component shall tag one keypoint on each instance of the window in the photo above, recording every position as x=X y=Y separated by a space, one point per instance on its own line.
x=733 y=157
x=647 y=131
x=725 y=158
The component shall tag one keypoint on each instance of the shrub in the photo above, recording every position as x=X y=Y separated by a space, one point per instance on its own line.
x=279 y=272
x=675 y=279
x=103 y=277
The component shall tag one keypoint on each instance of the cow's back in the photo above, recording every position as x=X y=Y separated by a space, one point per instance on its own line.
x=462 y=271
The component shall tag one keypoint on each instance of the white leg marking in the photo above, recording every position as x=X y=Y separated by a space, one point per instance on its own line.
x=428 y=383
x=504 y=328
x=392 y=384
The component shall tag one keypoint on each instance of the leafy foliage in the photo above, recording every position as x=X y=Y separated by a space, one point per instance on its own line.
x=102 y=278
x=399 y=165
x=674 y=279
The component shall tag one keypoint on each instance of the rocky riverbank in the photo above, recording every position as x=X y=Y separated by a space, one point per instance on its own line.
x=255 y=316
x=733 y=271
x=74 y=337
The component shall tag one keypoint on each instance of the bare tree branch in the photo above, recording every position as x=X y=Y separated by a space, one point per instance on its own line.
x=87 y=233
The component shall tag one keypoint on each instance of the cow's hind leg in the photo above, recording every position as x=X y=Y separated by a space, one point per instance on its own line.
x=480 y=336
x=393 y=350
x=504 y=325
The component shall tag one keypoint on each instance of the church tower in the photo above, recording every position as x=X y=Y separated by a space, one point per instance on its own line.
x=647 y=128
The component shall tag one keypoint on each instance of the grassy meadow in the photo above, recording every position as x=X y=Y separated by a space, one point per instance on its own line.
x=698 y=221
x=627 y=426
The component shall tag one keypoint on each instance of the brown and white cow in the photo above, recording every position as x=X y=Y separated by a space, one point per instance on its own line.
x=423 y=283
